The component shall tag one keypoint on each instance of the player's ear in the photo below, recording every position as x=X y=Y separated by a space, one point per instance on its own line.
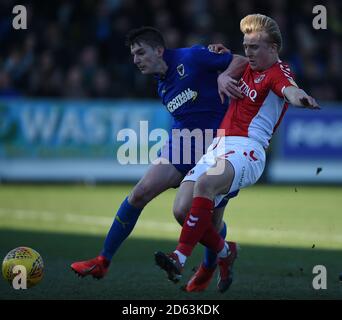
x=274 y=48
x=160 y=51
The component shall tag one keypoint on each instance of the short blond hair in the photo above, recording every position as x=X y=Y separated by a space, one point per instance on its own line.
x=258 y=23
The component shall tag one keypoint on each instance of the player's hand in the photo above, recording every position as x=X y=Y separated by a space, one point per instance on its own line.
x=227 y=86
x=299 y=98
x=306 y=101
x=309 y=102
x=218 y=48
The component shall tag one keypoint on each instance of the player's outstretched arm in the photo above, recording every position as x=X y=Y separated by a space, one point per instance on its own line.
x=227 y=80
x=300 y=98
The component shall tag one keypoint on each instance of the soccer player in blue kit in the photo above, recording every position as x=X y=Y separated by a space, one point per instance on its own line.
x=187 y=85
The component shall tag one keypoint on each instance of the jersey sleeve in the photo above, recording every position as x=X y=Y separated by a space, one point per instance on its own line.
x=282 y=78
x=210 y=60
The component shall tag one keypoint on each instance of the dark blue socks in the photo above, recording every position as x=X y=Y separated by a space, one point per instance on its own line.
x=123 y=224
x=210 y=257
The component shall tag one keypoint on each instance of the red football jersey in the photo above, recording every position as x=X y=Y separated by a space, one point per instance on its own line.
x=260 y=111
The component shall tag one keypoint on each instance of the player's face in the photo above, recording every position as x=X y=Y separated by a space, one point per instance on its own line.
x=259 y=51
x=146 y=58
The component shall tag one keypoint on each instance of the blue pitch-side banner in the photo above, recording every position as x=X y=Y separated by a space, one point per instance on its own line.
x=62 y=139
x=308 y=140
x=78 y=140
x=312 y=134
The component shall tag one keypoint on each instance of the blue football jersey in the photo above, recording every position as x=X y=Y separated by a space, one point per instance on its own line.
x=189 y=88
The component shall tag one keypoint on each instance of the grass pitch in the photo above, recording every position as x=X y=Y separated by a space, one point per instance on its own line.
x=283 y=233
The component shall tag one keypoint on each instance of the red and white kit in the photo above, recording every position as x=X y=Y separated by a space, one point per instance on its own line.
x=248 y=126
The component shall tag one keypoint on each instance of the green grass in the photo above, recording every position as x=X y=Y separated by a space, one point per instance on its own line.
x=283 y=234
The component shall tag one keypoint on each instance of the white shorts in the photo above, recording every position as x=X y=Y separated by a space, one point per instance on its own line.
x=246 y=155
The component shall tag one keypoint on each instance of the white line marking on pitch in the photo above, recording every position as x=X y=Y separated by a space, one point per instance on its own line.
x=103 y=221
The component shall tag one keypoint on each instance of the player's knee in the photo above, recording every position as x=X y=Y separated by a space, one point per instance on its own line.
x=180 y=211
x=179 y=216
x=140 y=196
x=202 y=187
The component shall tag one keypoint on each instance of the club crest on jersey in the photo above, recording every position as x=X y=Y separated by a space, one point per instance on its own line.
x=181 y=70
x=260 y=78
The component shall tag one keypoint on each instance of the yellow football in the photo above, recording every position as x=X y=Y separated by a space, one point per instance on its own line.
x=28 y=258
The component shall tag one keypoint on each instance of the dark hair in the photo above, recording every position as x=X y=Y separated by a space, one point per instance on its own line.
x=148 y=35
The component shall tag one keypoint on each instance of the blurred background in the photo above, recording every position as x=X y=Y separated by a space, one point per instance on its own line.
x=75 y=49
x=68 y=84
x=68 y=87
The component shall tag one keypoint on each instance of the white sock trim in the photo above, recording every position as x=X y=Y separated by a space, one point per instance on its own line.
x=224 y=252
x=181 y=257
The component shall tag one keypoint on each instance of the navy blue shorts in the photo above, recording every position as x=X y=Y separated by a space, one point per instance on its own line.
x=184 y=151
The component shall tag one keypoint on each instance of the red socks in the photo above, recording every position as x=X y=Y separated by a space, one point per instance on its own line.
x=212 y=239
x=198 y=227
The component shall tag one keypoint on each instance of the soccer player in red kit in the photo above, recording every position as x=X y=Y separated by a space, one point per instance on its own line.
x=236 y=158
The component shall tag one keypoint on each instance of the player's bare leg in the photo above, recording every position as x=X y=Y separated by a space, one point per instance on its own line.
x=217 y=180
x=198 y=227
x=206 y=269
x=183 y=202
x=157 y=179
